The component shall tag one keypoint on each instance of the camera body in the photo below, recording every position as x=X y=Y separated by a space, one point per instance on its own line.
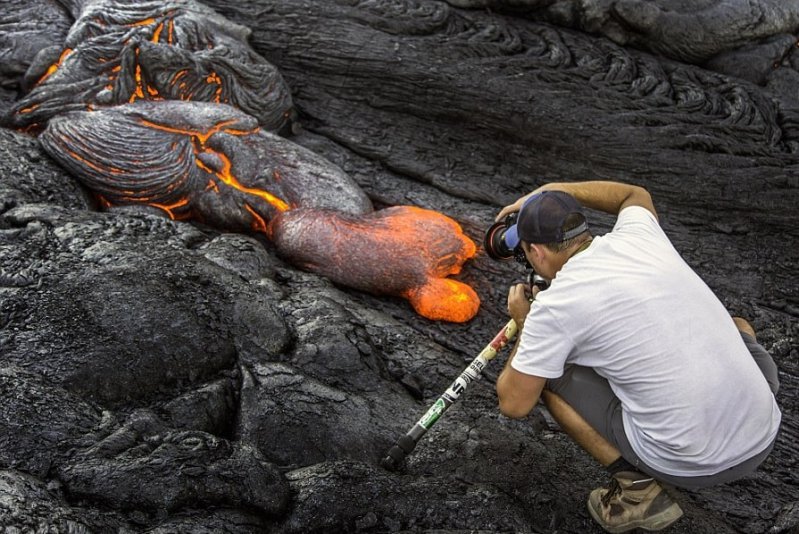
x=536 y=280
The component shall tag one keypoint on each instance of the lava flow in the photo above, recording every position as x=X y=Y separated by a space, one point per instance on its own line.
x=167 y=155
x=212 y=163
x=166 y=107
x=124 y=52
x=403 y=251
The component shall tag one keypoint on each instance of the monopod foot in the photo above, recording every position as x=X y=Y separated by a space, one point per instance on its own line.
x=394 y=460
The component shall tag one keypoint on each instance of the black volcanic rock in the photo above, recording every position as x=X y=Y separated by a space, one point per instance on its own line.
x=118 y=52
x=30 y=31
x=144 y=466
x=119 y=326
x=379 y=501
x=29 y=176
x=30 y=505
x=745 y=39
x=41 y=424
x=160 y=376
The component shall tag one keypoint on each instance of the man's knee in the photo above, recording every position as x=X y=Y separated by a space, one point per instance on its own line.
x=563 y=383
x=761 y=356
x=744 y=326
x=578 y=383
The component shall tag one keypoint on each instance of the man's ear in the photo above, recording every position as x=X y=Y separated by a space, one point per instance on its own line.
x=537 y=251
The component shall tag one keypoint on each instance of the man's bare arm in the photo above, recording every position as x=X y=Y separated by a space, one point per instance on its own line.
x=518 y=393
x=606 y=196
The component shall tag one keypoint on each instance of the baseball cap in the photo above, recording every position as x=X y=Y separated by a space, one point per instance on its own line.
x=542 y=217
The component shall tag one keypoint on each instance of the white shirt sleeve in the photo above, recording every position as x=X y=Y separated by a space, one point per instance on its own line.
x=638 y=219
x=544 y=345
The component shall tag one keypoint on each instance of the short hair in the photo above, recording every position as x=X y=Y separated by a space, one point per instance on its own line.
x=572 y=221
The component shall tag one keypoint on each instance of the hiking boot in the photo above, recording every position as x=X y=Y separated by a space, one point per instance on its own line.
x=633 y=501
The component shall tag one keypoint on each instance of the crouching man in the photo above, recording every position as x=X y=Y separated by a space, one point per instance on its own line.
x=633 y=355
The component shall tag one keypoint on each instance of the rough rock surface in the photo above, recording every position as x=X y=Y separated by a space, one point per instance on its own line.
x=159 y=376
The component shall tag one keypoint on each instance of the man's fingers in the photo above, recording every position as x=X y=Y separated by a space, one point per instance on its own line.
x=515 y=291
x=505 y=211
x=518 y=305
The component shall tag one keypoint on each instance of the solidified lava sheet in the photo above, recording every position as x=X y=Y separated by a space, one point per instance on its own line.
x=225 y=228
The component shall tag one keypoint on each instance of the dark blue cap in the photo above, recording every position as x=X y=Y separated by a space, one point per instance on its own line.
x=542 y=218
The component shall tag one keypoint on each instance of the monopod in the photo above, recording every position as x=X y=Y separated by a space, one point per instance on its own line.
x=407 y=443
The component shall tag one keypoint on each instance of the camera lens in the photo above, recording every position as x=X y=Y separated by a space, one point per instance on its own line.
x=494 y=242
x=496 y=247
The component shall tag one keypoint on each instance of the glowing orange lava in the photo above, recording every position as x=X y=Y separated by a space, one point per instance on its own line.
x=403 y=251
x=442 y=299
x=225 y=173
x=168 y=208
x=139 y=91
x=54 y=67
x=228 y=178
x=157 y=33
x=439 y=298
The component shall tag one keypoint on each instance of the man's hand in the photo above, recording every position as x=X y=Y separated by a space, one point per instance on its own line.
x=516 y=206
x=519 y=300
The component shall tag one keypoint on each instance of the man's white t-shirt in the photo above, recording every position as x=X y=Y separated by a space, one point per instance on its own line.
x=694 y=401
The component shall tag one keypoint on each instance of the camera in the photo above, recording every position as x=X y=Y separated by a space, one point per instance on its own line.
x=497 y=249
x=536 y=280
x=495 y=246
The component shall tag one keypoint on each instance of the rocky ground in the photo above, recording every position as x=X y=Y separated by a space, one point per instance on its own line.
x=161 y=376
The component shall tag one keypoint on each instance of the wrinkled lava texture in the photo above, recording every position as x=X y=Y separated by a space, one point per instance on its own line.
x=214 y=354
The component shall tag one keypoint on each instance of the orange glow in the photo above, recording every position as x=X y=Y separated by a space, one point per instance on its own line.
x=227 y=177
x=442 y=299
x=54 y=67
x=169 y=207
x=201 y=136
x=258 y=222
x=31 y=128
x=112 y=170
x=214 y=78
x=403 y=251
x=224 y=174
x=139 y=92
x=157 y=33
x=104 y=202
x=145 y=22
x=442 y=243
x=178 y=75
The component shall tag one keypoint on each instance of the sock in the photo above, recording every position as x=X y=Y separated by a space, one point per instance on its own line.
x=639 y=480
x=621 y=465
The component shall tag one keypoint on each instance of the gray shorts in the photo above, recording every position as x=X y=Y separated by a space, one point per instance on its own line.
x=590 y=396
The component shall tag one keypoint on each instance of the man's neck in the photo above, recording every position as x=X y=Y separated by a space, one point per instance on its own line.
x=577 y=248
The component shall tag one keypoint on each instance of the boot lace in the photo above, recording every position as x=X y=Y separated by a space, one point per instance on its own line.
x=613 y=490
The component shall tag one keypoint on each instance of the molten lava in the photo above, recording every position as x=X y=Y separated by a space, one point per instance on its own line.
x=403 y=251
x=147 y=153
x=54 y=67
x=229 y=178
x=123 y=52
x=212 y=163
